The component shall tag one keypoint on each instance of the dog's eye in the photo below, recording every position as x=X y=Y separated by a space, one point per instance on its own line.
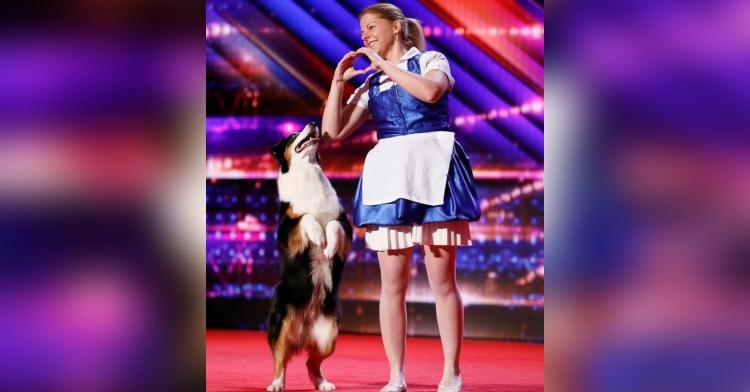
x=293 y=136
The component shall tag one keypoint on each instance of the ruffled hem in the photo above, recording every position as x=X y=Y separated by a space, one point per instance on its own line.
x=455 y=233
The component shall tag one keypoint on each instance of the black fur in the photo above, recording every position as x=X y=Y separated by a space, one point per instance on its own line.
x=296 y=287
x=277 y=151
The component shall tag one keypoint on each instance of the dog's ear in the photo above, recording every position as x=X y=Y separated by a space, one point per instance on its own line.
x=277 y=152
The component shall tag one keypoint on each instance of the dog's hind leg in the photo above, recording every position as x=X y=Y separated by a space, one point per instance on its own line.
x=282 y=352
x=324 y=333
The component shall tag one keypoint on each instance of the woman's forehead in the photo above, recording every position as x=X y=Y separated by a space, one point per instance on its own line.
x=369 y=18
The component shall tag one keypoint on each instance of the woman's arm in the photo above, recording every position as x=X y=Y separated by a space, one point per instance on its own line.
x=428 y=88
x=339 y=123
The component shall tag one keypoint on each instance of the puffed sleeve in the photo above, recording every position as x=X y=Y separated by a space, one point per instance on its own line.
x=361 y=97
x=435 y=60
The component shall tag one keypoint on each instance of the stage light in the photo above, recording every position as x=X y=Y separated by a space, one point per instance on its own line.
x=537 y=106
x=215 y=29
x=460 y=31
x=437 y=31
x=226 y=29
x=536 y=31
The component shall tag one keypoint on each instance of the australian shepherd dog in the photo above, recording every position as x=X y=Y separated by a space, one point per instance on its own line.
x=314 y=236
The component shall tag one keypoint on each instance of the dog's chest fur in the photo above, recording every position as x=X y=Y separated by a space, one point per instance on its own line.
x=308 y=191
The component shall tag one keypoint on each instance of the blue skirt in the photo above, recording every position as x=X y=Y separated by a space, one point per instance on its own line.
x=460 y=201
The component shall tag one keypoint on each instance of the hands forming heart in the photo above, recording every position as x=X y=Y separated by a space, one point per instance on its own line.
x=345 y=68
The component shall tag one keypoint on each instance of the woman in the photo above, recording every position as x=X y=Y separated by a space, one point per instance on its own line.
x=416 y=187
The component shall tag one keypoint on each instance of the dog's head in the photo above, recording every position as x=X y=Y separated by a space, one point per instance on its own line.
x=298 y=147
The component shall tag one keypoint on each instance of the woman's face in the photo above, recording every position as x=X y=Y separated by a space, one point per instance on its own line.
x=377 y=33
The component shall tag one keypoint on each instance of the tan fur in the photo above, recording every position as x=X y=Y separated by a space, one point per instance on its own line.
x=281 y=352
x=296 y=242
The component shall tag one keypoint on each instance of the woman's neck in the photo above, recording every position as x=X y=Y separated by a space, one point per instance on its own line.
x=395 y=54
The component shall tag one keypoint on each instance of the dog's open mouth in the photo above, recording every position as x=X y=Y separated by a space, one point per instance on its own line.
x=310 y=140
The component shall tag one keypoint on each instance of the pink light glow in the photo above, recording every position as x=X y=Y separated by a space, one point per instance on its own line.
x=289 y=127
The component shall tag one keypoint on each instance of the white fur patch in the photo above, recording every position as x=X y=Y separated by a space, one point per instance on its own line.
x=304 y=185
x=321 y=331
x=321 y=271
x=308 y=190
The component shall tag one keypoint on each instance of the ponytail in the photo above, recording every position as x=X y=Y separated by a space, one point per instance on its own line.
x=412 y=34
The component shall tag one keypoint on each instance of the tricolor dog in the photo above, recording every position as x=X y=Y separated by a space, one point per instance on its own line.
x=314 y=236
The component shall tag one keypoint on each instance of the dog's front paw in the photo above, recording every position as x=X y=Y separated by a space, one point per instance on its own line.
x=277 y=385
x=334 y=232
x=326 y=386
x=330 y=250
x=316 y=236
x=312 y=230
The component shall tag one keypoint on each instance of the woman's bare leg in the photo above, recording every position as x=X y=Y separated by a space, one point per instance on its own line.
x=440 y=262
x=394 y=280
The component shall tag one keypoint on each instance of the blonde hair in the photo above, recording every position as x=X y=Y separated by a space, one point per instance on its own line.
x=411 y=30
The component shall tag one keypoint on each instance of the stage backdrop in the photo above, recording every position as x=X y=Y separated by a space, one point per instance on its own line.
x=268 y=69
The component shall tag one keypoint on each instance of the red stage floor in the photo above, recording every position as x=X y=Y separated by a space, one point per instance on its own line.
x=241 y=361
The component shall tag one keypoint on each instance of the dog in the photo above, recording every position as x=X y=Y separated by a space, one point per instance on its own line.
x=313 y=238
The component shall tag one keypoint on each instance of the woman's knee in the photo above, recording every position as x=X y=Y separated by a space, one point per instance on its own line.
x=443 y=285
x=394 y=287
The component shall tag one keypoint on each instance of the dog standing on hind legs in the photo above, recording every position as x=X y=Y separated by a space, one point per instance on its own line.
x=314 y=236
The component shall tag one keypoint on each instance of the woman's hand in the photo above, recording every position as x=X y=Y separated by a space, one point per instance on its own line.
x=345 y=68
x=375 y=60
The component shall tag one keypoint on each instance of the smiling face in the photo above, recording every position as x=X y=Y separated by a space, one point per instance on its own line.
x=297 y=147
x=377 y=33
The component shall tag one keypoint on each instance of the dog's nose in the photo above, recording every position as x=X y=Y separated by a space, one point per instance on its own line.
x=312 y=123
